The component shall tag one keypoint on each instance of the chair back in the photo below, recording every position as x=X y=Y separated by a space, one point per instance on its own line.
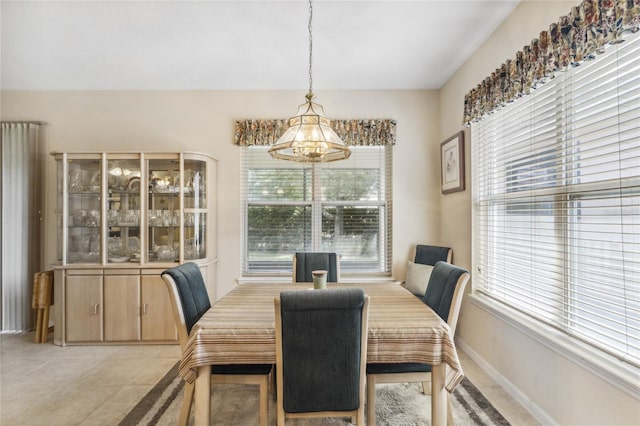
x=445 y=290
x=430 y=255
x=189 y=297
x=321 y=349
x=306 y=262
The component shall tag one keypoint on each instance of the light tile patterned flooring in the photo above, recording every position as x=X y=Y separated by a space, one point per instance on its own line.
x=44 y=384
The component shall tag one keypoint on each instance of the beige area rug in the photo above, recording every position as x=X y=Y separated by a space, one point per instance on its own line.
x=400 y=404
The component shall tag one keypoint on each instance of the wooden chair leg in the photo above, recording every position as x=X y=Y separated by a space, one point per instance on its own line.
x=280 y=414
x=272 y=384
x=185 y=410
x=371 y=401
x=45 y=299
x=264 y=401
x=36 y=306
x=38 y=337
x=44 y=336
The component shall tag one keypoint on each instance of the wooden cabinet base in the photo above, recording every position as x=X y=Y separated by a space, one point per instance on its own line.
x=112 y=306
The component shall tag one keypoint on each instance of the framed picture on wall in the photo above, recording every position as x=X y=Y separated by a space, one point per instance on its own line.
x=452 y=163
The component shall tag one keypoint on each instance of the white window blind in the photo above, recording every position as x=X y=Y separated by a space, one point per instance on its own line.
x=556 y=202
x=342 y=207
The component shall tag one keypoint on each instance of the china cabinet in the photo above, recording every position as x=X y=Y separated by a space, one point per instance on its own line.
x=122 y=219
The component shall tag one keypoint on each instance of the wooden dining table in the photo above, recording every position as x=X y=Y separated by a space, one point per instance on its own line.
x=240 y=329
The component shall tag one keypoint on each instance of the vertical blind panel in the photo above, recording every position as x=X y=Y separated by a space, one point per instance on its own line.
x=340 y=207
x=20 y=235
x=556 y=202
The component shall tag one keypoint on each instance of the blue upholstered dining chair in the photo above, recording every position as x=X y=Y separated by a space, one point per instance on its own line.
x=321 y=353
x=443 y=295
x=420 y=267
x=189 y=300
x=429 y=255
x=306 y=262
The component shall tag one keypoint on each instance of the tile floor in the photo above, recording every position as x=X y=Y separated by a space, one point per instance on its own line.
x=44 y=384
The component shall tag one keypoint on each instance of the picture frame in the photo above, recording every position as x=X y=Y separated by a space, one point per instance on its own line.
x=452 y=163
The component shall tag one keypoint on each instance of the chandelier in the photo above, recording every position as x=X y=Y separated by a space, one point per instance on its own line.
x=310 y=138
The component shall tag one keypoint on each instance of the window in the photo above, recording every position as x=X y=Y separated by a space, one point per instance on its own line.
x=342 y=207
x=556 y=202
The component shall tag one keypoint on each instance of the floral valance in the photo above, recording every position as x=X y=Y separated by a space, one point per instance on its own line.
x=576 y=37
x=367 y=132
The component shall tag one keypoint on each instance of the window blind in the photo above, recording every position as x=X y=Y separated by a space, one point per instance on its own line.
x=556 y=202
x=342 y=207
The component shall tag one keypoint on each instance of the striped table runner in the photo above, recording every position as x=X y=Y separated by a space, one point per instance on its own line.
x=239 y=329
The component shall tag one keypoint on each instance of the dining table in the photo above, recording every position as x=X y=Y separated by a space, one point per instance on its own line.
x=240 y=329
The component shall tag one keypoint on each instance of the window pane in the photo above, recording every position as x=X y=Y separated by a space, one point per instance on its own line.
x=605 y=281
x=275 y=232
x=354 y=232
x=525 y=263
x=556 y=202
x=338 y=206
x=350 y=185
x=279 y=185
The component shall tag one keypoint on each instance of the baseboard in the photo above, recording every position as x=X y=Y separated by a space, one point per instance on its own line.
x=535 y=410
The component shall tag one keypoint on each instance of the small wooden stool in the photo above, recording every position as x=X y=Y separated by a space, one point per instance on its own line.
x=42 y=300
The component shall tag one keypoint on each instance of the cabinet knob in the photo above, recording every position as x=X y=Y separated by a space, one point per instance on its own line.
x=96 y=308
x=144 y=309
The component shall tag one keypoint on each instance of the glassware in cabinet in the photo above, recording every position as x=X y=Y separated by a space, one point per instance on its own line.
x=142 y=208
x=195 y=209
x=84 y=178
x=163 y=210
x=123 y=210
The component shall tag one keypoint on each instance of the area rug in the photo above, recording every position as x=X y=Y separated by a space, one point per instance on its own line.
x=398 y=404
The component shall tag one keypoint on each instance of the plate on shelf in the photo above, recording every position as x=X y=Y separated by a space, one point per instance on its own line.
x=95 y=182
x=167 y=190
x=134 y=184
x=118 y=259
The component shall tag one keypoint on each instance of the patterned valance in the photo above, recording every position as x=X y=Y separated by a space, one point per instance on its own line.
x=368 y=132
x=576 y=37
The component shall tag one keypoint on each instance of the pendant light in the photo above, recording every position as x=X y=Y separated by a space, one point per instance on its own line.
x=310 y=138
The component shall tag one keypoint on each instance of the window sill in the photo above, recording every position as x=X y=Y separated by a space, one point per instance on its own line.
x=623 y=376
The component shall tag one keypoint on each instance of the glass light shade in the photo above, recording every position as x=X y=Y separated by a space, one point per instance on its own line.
x=310 y=138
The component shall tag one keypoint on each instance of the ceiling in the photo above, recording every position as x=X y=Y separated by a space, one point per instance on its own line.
x=239 y=45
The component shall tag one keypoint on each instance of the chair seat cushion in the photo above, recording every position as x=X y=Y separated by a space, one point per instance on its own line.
x=398 y=368
x=256 y=369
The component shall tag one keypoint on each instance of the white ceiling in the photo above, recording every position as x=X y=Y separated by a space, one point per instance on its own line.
x=255 y=45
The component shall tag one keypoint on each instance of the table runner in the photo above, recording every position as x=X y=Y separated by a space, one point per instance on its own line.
x=240 y=329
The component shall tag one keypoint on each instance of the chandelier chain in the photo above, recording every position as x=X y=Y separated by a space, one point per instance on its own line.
x=310 y=48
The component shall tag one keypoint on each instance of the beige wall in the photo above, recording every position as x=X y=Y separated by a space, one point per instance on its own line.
x=553 y=386
x=203 y=121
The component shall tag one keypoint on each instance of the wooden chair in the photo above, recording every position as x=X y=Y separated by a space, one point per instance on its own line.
x=41 y=301
x=321 y=352
x=420 y=267
x=444 y=295
x=306 y=262
x=190 y=301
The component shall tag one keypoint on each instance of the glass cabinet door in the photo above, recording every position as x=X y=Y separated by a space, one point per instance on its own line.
x=195 y=209
x=163 y=210
x=84 y=210
x=143 y=209
x=59 y=208
x=123 y=210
